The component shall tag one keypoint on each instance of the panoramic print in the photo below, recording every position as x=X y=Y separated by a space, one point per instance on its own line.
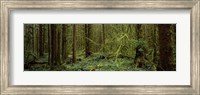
x=99 y=47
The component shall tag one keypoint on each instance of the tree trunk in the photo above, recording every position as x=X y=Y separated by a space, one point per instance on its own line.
x=87 y=41
x=38 y=40
x=59 y=45
x=64 y=42
x=34 y=39
x=49 y=45
x=53 y=43
x=41 y=42
x=74 y=43
x=165 y=47
x=43 y=39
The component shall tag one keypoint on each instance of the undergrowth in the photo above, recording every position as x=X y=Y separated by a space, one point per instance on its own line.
x=92 y=63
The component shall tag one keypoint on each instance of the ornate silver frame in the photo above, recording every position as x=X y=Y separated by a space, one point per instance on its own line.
x=8 y=5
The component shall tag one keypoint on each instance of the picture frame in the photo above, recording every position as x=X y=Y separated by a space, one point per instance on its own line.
x=8 y=5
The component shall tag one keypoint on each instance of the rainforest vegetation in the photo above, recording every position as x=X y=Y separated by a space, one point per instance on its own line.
x=99 y=47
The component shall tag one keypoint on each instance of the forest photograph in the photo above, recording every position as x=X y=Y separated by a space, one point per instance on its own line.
x=99 y=47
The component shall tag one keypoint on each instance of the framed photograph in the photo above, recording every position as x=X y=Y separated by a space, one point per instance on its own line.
x=99 y=47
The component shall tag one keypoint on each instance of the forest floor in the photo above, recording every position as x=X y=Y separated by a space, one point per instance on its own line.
x=91 y=63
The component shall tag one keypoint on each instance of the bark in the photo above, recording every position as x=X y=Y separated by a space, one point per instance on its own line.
x=53 y=43
x=87 y=41
x=165 y=47
x=43 y=37
x=41 y=41
x=55 y=47
x=74 y=43
x=64 y=42
x=38 y=39
x=59 y=46
x=33 y=38
x=49 y=45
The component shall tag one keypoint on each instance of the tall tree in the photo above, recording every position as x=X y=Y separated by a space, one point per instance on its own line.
x=38 y=39
x=165 y=47
x=53 y=43
x=34 y=39
x=74 y=42
x=87 y=40
x=49 y=45
x=41 y=40
x=44 y=37
x=58 y=42
x=64 y=42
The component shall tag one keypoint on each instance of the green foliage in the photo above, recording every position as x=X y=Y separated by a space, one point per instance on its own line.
x=96 y=62
x=40 y=67
x=29 y=56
